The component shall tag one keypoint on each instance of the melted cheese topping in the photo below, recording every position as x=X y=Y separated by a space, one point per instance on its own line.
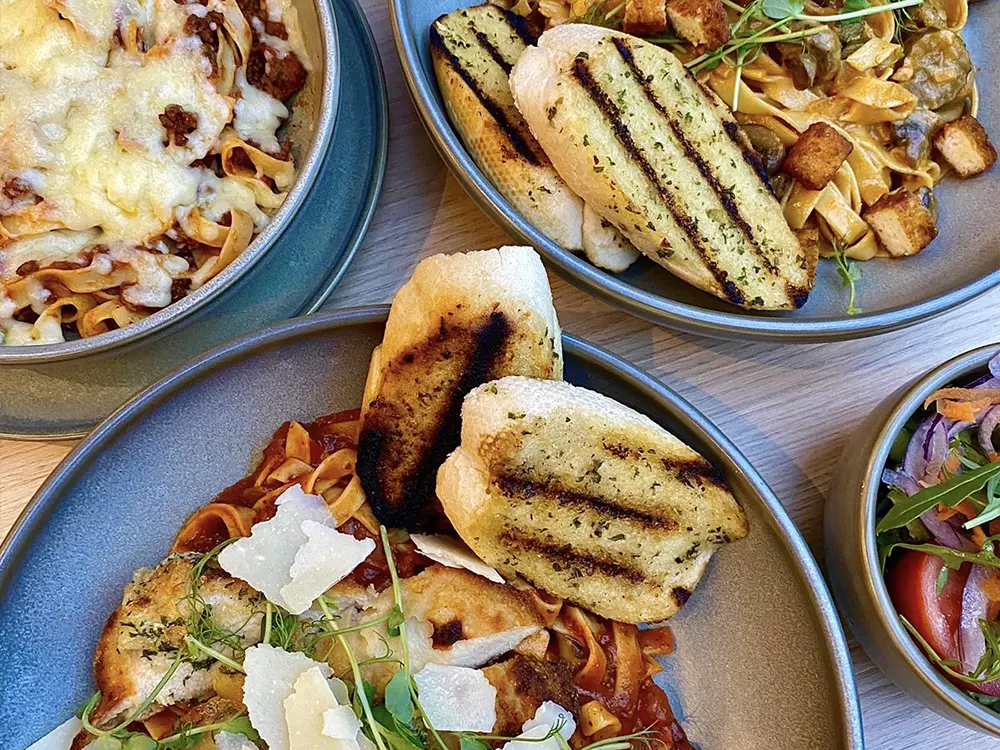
x=80 y=124
x=257 y=115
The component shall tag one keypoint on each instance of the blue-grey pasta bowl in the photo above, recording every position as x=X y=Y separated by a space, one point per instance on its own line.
x=852 y=558
x=762 y=615
x=960 y=266
x=310 y=126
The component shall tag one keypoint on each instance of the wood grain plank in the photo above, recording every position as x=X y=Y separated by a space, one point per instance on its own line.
x=790 y=408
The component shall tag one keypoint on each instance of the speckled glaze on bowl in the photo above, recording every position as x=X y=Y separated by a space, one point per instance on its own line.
x=311 y=128
x=961 y=265
x=852 y=557
x=761 y=662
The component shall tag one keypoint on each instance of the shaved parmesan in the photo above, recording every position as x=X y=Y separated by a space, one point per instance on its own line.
x=316 y=720
x=228 y=741
x=297 y=555
x=326 y=558
x=470 y=652
x=341 y=723
x=59 y=738
x=547 y=716
x=454 y=554
x=272 y=674
x=456 y=699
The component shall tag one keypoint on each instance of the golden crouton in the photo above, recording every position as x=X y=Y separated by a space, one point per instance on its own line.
x=965 y=146
x=645 y=17
x=817 y=155
x=702 y=22
x=902 y=222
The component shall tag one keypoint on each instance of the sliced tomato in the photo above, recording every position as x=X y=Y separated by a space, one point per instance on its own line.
x=913 y=584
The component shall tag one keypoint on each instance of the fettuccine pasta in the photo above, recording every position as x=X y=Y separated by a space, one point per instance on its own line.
x=139 y=153
x=888 y=83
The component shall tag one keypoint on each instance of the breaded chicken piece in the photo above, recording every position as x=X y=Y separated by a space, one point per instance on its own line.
x=523 y=683
x=454 y=617
x=143 y=636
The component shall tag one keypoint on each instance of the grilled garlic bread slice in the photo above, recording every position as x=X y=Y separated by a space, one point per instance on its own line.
x=474 y=50
x=460 y=320
x=585 y=498
x=604 y=245
x=634 y=134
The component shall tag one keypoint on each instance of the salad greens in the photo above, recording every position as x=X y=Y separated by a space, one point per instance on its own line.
x=942 y=498
x=949 y=493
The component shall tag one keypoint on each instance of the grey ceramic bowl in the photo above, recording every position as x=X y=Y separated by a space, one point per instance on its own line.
x=852 y=558
x=761 y=662
x=311 y=128
x=961 y=265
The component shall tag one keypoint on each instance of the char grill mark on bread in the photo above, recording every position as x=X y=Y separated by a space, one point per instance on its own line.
x=476 y=353
x=585 y=498
x=625 y=50
x=510 y=122
x=581 y=72
x=460 y=321
x=629 y=129
x=564 y=558
x=474 y=51
x=519 y=488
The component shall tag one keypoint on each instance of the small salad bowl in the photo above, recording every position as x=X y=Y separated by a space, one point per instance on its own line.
x=946 y=606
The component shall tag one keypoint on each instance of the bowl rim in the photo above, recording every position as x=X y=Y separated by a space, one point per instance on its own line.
x=160 y=321
x=34 y=515
x=609 y=287
x=960 y=367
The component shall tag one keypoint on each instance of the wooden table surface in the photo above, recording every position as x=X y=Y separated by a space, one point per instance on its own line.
x=790 y=408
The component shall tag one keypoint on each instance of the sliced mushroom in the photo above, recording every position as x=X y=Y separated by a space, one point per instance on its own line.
x=937 y=68
x=815 y=60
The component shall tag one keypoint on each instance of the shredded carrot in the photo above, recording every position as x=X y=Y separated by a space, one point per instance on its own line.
x=953 y=463
x=966 y=508
x=988 y=395
x=978 y=537
x=957 y=410
x=944 y=513
x=991 y=587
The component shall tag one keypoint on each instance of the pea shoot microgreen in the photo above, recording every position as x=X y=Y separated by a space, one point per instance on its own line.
x=850 y=273
x=747 y=38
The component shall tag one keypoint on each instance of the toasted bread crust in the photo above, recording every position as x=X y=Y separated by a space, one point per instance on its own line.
x=633 y=133
x=473 y=51
x=415 y=421
x=460 y=321
x=585 y=499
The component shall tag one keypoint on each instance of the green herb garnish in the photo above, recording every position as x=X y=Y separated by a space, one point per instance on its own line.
x=949 y=493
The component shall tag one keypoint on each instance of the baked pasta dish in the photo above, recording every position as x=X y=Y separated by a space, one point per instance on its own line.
x=732 y=142
x=140 y=151
x=471 y=560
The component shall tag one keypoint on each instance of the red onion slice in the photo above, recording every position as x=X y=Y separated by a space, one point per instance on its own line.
x=975 y=604
x=995 y=366
x=971 y=643
x=945 y=534
x=987 y=426
x=928 y=450
x=902 y=480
